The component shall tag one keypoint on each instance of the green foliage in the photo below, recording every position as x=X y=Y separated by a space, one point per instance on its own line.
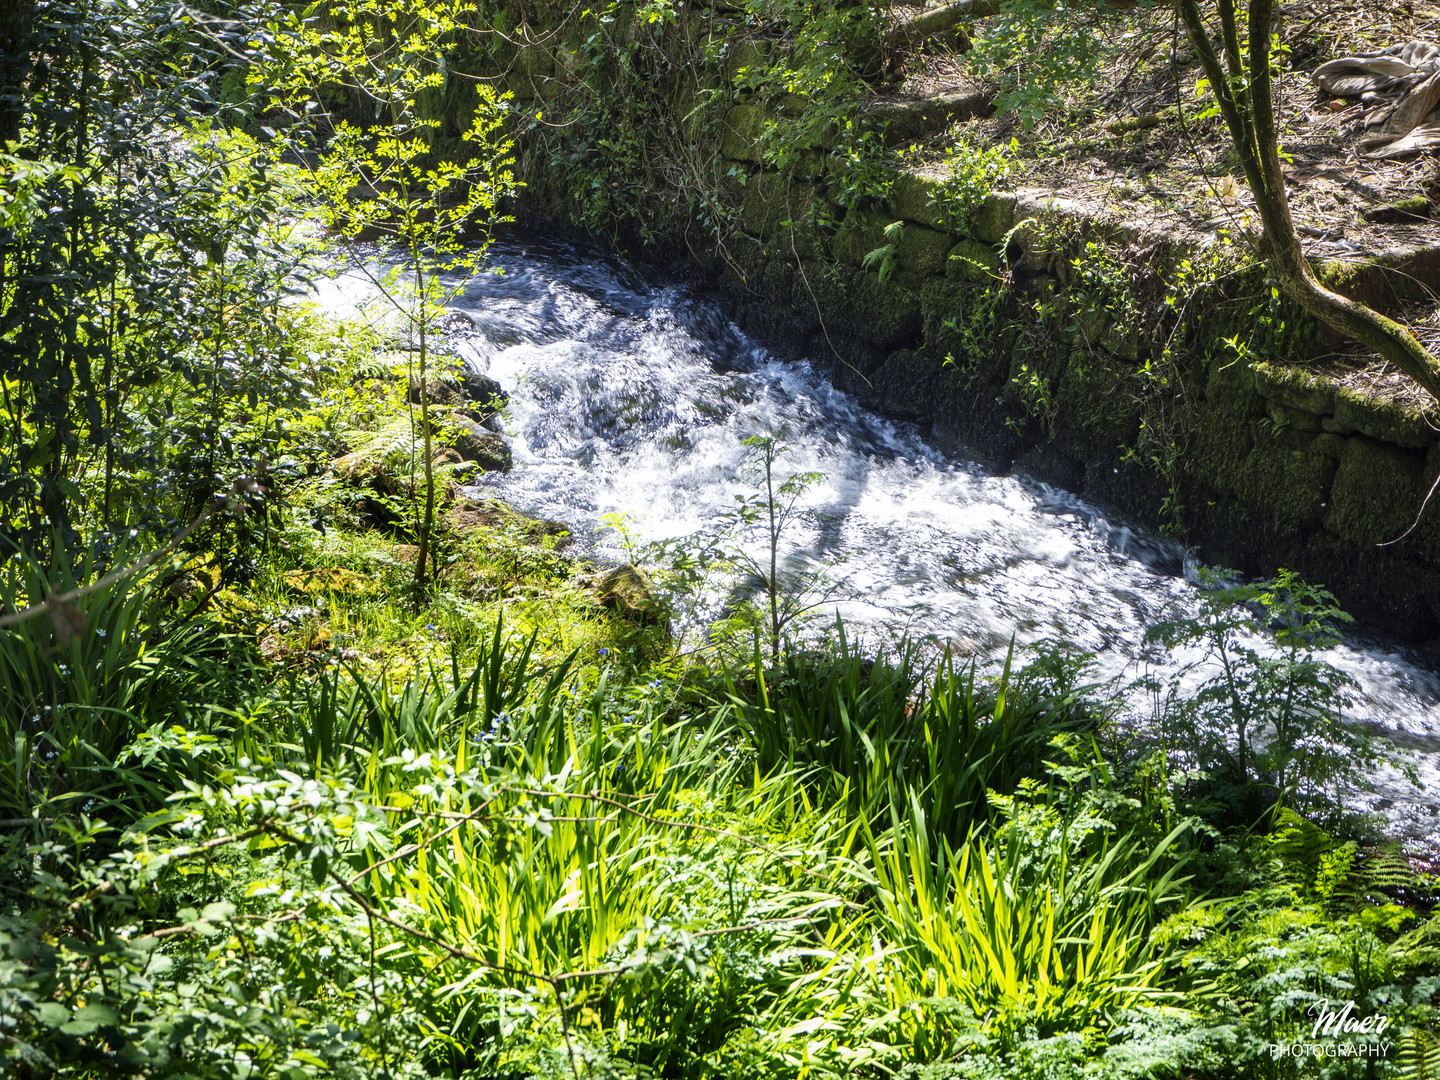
x=1029 y=941
x=1033 y=390
x=386 y=180
x=880 y=731
x=882 y=259
x=972 y=172
x=1034 y=52
x=97 y=697
x=143 y=266
x=1273 y=713
x=1420 y=1057
x=864 y=169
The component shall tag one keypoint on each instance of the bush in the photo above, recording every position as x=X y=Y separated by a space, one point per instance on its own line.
x=1271 y=711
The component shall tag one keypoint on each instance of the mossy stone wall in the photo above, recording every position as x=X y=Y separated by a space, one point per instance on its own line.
x=984 y=331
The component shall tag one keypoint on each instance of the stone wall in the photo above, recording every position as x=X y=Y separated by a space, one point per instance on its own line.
x=986 y=324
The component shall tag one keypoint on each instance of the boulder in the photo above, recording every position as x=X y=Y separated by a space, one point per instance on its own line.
x=627 y=592
x=475 y=352
x=471 y=513
x=465 y=389
x=475 y=443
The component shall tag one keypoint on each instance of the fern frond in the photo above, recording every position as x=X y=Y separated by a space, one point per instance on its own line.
x=1419 y=1057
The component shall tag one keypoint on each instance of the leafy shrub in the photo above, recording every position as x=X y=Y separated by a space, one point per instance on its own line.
x=972 y=172
x=1034 y=52
x=1043 y=941
x=1271 y=714
x=881 y=729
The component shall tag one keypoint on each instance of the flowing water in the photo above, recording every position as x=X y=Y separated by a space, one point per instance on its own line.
x=634 y=396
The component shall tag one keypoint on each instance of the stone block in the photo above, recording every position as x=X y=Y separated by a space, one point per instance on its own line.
x=858 y=237
x=768 y=199
x=1384 y=420
x=1288 y=489
x=923 y=252
x=1375 y=494
x=885 y=314
x=1295 y=387
x=906 y=383
x=973 y=260
x=914 y=197
x=748 y=57
x=995 y=217
x=741 y=132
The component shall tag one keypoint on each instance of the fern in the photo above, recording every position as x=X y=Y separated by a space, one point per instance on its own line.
x=1339 y=871
x=1386 y=871
x=885 y=256
x=1419 y=1057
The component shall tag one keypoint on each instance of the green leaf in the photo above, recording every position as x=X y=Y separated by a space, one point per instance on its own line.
x=90 y=1019
x=219 y=911
x=52 y=1015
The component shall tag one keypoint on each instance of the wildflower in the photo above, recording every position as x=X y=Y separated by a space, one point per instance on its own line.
x=604 y=652
x=99 y=632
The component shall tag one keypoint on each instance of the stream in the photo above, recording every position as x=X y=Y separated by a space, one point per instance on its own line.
x=632 y=395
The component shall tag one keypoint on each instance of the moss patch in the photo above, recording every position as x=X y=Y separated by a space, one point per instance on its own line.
x=1374 y=498
x=995 y=217
x=1384 y=420
x=769 y=200
x=973 y=259
x=1295 y=387
x=740 y=134
x=914 y=198
x=922 y=252
x=884 y=313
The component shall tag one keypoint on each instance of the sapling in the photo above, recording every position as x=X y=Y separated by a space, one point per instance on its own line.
x=386 y=180
x=1273 y=711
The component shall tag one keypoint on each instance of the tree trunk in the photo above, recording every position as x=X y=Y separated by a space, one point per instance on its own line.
x=1242 y=87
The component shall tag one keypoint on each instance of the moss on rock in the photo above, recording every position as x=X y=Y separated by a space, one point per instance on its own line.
x=906 y=383
x=1375 y=495
x=741 y=132
x=884 y=313
x=1295 y=387
x=769 y=199
x=1384 y=420
x=922 y=252
x=1094 y=396
x=859 y=236
x=914 y=197
x=973 y=259
x=995 y=217
x=627 y=592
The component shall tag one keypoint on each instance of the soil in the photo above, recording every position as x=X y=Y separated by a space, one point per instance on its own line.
x=1123 y=144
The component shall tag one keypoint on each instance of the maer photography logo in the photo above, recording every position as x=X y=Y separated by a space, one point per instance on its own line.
x=1339 y=1032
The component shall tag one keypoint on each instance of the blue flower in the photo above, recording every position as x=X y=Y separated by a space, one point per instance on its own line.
x=604 y=652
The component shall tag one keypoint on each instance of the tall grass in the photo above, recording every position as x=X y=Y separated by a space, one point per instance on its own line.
x=883 y=728
x=638 y=877
x=79 y=686
x=1049 y=944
